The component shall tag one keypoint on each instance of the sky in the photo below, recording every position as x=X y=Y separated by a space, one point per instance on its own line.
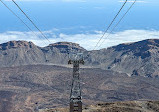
x=80 y=21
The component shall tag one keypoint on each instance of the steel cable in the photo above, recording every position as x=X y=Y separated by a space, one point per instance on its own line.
x=110 y=24
x=31 y=21
x=118 y=23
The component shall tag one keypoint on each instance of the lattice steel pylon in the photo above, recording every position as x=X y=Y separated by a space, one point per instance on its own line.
x=75 y=96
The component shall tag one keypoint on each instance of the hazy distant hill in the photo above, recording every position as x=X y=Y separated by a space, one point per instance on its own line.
x=139 y=58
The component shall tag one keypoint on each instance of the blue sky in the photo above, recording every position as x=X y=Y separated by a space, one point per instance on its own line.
x=78 y=17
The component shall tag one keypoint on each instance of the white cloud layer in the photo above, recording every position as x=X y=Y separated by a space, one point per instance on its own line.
x=87 y=41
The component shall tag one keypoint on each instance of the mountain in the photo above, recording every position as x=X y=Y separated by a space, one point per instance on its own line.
x=25 y=88
x=57 y=53
x=135 y=59
x=33 y=76
x=17 y=53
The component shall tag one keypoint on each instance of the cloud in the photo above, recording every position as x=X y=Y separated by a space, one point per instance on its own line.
x=87 y=41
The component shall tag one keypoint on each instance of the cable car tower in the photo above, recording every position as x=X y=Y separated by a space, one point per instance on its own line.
x=75 y=96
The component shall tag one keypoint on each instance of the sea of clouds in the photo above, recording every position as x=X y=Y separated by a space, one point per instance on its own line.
x=86 y=40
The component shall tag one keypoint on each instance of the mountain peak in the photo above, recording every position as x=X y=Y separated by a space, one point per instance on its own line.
x=153 y=42
x=66 y=45
x=16 y=44
x=141 y=45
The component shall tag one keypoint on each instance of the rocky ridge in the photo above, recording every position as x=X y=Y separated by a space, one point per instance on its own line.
x=135 y=59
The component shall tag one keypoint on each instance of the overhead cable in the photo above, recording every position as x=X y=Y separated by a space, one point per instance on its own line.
x=110 y=24
x=31 y=21
x=19 y=18
x=118 y=23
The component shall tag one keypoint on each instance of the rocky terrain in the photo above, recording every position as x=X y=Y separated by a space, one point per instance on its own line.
x=135 y=59
x=139 y=58
x=26 y=88
x=38 y=77
x=17 y=53
x=128 y=106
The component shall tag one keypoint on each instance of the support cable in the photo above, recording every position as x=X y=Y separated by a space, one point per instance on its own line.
x=110 y=24
x=19 y=18
x=117 y=23
x=31 y=21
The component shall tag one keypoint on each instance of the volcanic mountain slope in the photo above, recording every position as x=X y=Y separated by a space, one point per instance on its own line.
x=48 y=86
x=139 y=58
x=57 y=53
x=6 y=98
x=128 y=106
x=17 y=53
